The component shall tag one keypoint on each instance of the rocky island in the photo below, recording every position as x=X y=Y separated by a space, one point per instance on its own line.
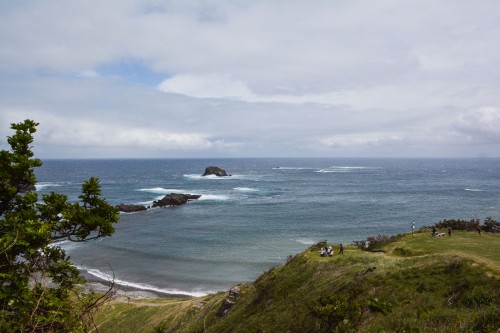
x=172 y=199
x=131 y=208
x=175 y=199
x=213 y=170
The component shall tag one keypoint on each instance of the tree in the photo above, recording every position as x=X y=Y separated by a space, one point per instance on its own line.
x=38 y=283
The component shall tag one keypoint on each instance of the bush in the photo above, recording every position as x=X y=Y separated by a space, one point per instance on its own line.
x=491 y=225
x=472 y=224
x=375 y=242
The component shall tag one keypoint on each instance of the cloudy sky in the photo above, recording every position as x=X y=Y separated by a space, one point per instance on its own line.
x=284 y=78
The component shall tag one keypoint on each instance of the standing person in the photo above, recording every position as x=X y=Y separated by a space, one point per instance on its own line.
x=433 y=231
x=478 y=230
x=449 y=231
x=341 y=250
x=412 y=227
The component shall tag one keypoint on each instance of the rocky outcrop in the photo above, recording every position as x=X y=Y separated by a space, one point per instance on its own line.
x=213 y=170
x=175 y=199
x=229 y=301
x=131 y=208
x=172 y=199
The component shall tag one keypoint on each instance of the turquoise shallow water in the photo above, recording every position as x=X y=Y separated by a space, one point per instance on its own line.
x=268 y=209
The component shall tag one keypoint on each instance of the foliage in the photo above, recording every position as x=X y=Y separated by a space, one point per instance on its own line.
x=375 y=242
x=37 y=280
x=490 y=225
x=338 y=313
x=472 y=224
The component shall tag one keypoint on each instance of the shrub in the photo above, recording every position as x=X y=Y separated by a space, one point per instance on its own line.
x=376 y=242
x=472 y=224
x=491 y=225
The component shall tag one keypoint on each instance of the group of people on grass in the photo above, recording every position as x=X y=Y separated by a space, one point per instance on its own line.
x=327 y=250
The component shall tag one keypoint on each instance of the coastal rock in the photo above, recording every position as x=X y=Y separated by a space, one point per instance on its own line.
x=130 y=208
x=234 y=291
x=175 y=199
x=226 y=305
x=213 y=170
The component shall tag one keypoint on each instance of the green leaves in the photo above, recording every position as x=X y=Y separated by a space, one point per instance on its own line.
x=17 y=165
x=36 y=276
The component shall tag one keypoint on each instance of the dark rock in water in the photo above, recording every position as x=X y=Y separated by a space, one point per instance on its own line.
x=213 y=170
x=130 y=208
x=175 y=199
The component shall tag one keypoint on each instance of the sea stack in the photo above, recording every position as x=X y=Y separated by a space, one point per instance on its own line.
x=213 y=170
x=130 y=208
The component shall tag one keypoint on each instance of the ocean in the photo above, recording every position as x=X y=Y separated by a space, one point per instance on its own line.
x=265 y=211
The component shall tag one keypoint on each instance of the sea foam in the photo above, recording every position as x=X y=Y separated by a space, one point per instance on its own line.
x=159 y=190
x=214 y=197
x=171 y=291
x=42 y=186
x=341 y=169
x=293 y=168
x=246 y=189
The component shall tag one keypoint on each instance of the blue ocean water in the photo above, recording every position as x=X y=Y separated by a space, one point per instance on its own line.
x=268 y=209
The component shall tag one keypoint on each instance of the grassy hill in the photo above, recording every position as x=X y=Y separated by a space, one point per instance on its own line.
x=418 y=284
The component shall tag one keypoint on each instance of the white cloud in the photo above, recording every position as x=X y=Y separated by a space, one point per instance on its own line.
x=362 y=139
x=88 y=74
x=481 y=124
x=208 y=86
x=93 y=134
x=255 y=78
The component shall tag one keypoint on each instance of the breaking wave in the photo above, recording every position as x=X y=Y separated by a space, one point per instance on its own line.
x=159 y=190
x=139 y=286
x=246 y=189
x=342 y=169
x=44 y=185
x=215 y=197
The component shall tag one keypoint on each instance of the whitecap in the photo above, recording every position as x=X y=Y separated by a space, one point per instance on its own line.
x=293 y=168
x=159 y=190
x=342 y=169
x=107 y=277
x=474 y=190
x=214 y=197
x=44 y=185
x=246 y=189
x=200 y=177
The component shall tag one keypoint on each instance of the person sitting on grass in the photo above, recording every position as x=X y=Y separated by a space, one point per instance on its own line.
x=329 y=251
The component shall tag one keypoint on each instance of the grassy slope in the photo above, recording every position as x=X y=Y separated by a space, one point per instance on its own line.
x=446 y=284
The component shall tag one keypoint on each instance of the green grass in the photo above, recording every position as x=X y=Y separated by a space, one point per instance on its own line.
x=420 y=284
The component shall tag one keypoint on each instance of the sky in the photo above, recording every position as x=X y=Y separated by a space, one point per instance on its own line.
x=274 y=78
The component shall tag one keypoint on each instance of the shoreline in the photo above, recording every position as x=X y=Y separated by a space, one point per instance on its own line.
x=93 y=283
